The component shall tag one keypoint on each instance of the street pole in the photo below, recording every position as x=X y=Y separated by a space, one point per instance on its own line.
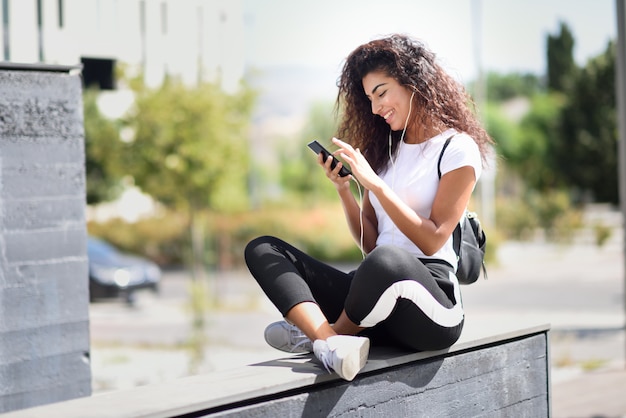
x=487 y=178
x=620 y=71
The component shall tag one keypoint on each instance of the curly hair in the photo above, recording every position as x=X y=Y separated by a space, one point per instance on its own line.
x=441 y=100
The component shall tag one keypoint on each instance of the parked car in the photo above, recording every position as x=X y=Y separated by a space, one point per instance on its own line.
x=113 y=273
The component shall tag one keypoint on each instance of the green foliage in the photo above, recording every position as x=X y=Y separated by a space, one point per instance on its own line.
x=516 y=221
x=585 y=148
x=504 y=132
x=318 y=229
x=561 y=65
x=549 y=211
x=102 y=152
x=555 y=214
x=534 y=137
x=162 y=238
x=190 y=146
x=503 y=87
x=300 y=175
x=525 y=146
x=602 y=233
x=567 y=139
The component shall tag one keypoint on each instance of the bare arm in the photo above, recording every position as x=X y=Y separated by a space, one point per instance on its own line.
x=352 y=211
x=429 y=234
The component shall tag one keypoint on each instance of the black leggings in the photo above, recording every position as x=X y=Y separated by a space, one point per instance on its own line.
x=400 y=299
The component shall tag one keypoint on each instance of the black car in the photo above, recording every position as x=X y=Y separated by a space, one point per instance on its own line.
x=115 y=274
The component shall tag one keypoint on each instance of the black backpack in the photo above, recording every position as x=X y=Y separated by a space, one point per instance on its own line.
x=469 y=241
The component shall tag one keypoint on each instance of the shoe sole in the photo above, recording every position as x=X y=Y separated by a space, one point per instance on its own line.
x=353 y=360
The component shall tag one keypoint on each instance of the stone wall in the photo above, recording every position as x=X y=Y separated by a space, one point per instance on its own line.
x=44 y=294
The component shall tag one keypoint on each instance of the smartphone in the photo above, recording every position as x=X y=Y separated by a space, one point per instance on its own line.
x=318 y=148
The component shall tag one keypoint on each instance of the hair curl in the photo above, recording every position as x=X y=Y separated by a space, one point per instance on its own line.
x=441 y=101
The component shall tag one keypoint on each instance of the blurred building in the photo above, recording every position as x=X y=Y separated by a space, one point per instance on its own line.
x=191 y=39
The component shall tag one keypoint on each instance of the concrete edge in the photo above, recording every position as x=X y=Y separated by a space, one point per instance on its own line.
x=203 y=392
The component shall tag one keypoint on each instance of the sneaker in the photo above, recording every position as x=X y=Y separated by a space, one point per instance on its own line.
x=286 y=337
x=345 y=354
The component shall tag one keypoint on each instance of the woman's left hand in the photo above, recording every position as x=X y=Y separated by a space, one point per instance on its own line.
x=358 y=164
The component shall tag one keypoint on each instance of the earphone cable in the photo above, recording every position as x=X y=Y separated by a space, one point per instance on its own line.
x=358 y=186
x=393 y=163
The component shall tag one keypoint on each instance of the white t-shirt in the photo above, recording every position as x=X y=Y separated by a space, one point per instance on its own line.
x=413 y=177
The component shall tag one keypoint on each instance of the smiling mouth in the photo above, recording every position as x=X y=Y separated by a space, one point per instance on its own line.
x=386 y=115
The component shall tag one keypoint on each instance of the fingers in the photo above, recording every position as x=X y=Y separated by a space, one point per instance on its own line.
x=347 y=152
x=332 y=173
x=341 y=144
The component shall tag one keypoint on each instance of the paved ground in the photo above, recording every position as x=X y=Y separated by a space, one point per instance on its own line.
x=577 y=289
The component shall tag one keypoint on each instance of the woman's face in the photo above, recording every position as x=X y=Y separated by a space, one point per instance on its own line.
x=389 y=99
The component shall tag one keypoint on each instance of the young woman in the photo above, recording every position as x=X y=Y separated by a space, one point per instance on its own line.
x=398 y=107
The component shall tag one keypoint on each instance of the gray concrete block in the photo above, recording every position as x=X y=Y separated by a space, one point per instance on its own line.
x=42 y=150
x=44 y=213
x=76 y=388
x=40 y=105
x=44 y=341
x=51 y=303
x=500 y=381
x=42 y=374
x=44 y=293
x=28 y=180
x=29 y=247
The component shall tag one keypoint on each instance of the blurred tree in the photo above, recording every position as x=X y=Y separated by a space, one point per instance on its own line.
x=300 y=174
x=585 y=149
x=503 y=87
x=561 y=65
x=503 y=130
x=534 y=159
x=102 y=152
x=190 y=150
x=567 y=138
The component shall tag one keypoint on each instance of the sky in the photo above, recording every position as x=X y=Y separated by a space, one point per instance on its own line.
x=499 y=35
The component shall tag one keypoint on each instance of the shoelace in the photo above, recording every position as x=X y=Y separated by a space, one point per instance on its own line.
x=296 y=336
x=324 y=358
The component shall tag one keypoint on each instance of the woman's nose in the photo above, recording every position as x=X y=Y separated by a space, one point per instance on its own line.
x=376 y=108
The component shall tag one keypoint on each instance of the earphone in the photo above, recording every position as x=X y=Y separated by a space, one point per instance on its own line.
x=358 y=186
x=393 y=163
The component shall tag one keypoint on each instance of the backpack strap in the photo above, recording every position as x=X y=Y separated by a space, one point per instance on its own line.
x=445 y=145
x=456 y=234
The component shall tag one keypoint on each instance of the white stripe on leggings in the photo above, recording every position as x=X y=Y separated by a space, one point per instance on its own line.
x=416 y=293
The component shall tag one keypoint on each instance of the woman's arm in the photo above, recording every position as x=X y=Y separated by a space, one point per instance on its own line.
x=357 y=219
x=352 y=210
x=429 y=234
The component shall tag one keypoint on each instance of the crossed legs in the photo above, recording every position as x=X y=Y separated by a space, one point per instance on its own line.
x=313 y=323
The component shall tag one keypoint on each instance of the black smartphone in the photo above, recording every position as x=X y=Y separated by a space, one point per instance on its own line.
x=318 y=148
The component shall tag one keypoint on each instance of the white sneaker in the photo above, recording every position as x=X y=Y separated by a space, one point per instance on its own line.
x=345 y=354
x=286 y=337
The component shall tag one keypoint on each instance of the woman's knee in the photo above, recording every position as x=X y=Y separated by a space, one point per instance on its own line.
x=255 y=248
x=384 y=258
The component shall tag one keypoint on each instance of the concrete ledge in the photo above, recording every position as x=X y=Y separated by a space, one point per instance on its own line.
x=54 y=68
x=505 y=373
